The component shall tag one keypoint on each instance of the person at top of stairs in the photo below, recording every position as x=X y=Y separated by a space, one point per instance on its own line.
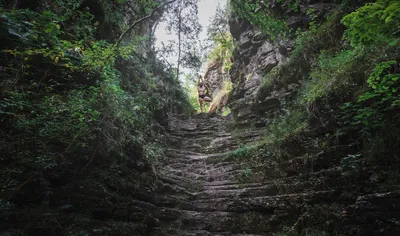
x=201 y=88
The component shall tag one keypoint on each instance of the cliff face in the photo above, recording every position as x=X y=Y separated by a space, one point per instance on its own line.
x=217 y=80
x=214 y=78
x=256 y=55
x=269 y=79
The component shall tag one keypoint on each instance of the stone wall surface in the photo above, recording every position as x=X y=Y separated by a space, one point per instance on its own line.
x=256 y=55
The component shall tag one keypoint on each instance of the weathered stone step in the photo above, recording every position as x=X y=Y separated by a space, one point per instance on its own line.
x=188 y=170
x=174 y=201
x=183 y=160
x=271 y=189
x=198 y=134
x=264 y=203
x=178 y=232
x=224 y=185
x=375 y=209
x=198 y=168
x=216 y=221
x=209 y=147
x=183 y=182
x=185 y=174
x=184 y=154
x=165 y=188
x=328 y=177
x=221 y=183
x=182 y=177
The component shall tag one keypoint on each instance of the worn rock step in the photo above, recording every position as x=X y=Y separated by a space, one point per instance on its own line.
x=328 y=177
x=165 y=188
x=184 y=174
x=188 y=184
x=203 y=171
x=217 y=221
x=178 y=232
x=228 y=185
x=198 y=168
x=173 y=201
x=264 y=203
x=266 y=190
x=187 y=156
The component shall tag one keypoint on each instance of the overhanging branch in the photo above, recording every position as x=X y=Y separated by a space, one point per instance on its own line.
x=140 y=21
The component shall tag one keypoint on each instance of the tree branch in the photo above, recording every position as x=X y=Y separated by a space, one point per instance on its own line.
x=223 y=38
x=140 y=21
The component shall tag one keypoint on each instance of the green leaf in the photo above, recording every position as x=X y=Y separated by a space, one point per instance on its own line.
x=393 y=42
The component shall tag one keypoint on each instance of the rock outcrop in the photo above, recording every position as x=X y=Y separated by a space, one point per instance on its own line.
x=217 y=79
x=256 y=55
x=214 y=78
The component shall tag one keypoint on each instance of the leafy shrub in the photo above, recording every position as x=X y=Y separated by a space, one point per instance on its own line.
x=274 y=26
x=375 y=116
x=375 y=23
x=383 y=97
x=223 y=50
x=323 y=36
x=241 y=152
x=292 y=122
x=332 y=74
x=384 y=81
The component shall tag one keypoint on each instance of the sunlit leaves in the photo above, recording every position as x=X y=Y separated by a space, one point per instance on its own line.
x=377 y=22
x=273 y=27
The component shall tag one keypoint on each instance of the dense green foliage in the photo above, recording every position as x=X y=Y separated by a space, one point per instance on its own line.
x=223 y=50
x=375 y=23
x=269 y=22
x=68 y=96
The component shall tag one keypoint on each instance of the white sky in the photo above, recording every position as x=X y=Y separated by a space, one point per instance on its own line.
x=207 y=9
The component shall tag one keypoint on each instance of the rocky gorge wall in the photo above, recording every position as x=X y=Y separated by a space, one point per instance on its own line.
x=256 y=55
x=268 y=78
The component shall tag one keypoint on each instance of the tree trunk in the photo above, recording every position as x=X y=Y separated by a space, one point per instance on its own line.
x=179 y=39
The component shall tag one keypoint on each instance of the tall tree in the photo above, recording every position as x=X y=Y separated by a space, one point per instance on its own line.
x=181 y=19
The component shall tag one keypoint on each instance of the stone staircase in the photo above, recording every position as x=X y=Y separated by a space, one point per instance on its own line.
x=200 y=192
